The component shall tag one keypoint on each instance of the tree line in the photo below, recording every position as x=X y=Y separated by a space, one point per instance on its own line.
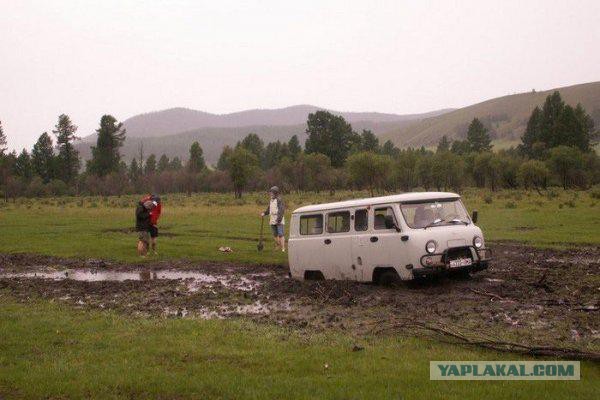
x=556 y=149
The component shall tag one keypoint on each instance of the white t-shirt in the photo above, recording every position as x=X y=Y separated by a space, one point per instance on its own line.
x=273 y=213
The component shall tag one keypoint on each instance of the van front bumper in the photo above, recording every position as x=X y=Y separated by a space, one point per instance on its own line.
x=439 y=263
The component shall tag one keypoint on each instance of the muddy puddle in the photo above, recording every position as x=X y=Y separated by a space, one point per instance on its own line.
x=193 y=280
x=528 y=296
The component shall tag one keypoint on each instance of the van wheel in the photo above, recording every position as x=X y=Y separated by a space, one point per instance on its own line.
x=313 y=276
x=386 y=277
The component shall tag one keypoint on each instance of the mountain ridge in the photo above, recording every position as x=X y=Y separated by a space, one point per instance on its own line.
x=213 y=140
x=505 y=116
x=180 y=119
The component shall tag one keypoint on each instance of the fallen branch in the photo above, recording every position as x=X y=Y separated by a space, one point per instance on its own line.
x=502 y=345
x=587 y=308
x=541 y=283
x=493 y=295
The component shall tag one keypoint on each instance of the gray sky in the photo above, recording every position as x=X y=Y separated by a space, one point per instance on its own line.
x=128 y=57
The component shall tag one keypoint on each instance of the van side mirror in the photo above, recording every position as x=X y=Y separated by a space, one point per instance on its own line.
x=390 y=224
x=474 y=217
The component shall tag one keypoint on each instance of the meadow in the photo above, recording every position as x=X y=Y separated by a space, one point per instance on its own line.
x=53 y=350
x=195 y=226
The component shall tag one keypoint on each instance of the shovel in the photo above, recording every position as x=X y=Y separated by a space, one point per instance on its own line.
x=260 y=246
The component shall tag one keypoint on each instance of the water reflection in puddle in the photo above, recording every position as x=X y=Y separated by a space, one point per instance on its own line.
x=225 y=311
x=194 y=280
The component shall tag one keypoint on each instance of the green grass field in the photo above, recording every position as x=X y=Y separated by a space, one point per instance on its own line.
x=51 y=352
x=55 y=351
x=195 y=227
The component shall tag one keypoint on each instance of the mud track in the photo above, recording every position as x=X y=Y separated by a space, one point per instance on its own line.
x=529 y=297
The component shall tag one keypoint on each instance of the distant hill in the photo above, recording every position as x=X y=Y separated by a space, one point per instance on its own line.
x=177 y=120
x=506 y=117
x=172 y=131
x=213 y=140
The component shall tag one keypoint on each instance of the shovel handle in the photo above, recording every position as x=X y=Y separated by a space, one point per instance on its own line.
x=262 y=224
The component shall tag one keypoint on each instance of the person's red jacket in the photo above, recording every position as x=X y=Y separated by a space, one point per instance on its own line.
x=155 y=214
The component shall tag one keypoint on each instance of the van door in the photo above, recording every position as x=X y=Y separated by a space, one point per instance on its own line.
x=337 y=244
x=305 y=248
x=360 y=241
x=385 y=246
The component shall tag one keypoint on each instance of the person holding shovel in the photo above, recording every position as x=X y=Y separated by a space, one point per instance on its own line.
x=275 y=210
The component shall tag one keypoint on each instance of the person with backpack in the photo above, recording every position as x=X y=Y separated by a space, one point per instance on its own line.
x=275 y=210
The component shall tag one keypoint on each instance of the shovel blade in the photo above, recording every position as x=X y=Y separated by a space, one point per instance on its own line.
x=260 y=247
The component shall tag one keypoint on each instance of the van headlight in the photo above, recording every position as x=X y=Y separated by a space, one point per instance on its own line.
x=477 y=242
x=431 y=246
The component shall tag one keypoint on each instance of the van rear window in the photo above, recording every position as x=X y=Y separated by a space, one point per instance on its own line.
x=338 y=222
x=311 y=224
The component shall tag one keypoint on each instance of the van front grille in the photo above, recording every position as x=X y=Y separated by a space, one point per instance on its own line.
x=458 y=252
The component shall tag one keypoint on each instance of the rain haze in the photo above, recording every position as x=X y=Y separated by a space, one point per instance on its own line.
x=123 y=58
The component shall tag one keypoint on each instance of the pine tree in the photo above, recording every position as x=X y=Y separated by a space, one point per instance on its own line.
x=585 y=134
x=150 y=167
x=67 y=160
x=196 y=162
x=175 y=164
x=443 y=145
x=3 y=146
x=254 y=144
x=223 y=163
x=105 y=155
x=294 y=147
x=43 y=159
x=134 y=170
x=369 y=142
x=478 y=137
x=533 y=132
x=389 y=149
x=23 y=166
x=274 y=152
x=557 y=124
x=163 y=163
x=551 y=119
x=5 y=164
x=460 y=147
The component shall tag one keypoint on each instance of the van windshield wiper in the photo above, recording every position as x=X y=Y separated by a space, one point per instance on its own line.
x=433 y=223
x=460 y=221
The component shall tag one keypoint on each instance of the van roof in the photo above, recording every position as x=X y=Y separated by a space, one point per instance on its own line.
x=396 y=198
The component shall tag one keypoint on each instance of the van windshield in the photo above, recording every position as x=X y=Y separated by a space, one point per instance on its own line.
x=434 y=213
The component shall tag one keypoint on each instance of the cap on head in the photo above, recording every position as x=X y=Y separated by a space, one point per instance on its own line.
x=274 y=189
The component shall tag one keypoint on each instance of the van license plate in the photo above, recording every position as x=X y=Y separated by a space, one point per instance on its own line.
x=461 y=262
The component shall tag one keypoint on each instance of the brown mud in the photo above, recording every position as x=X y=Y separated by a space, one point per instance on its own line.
x=530 y=297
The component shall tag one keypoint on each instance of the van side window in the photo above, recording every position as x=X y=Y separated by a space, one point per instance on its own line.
x=361 y=220
x=311 y=224
x=380 y=214
x=338 y=222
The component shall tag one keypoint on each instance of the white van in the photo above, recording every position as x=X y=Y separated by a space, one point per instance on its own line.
x=383 y=239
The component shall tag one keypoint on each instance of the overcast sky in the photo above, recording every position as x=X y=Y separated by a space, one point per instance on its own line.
x=86 y=59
